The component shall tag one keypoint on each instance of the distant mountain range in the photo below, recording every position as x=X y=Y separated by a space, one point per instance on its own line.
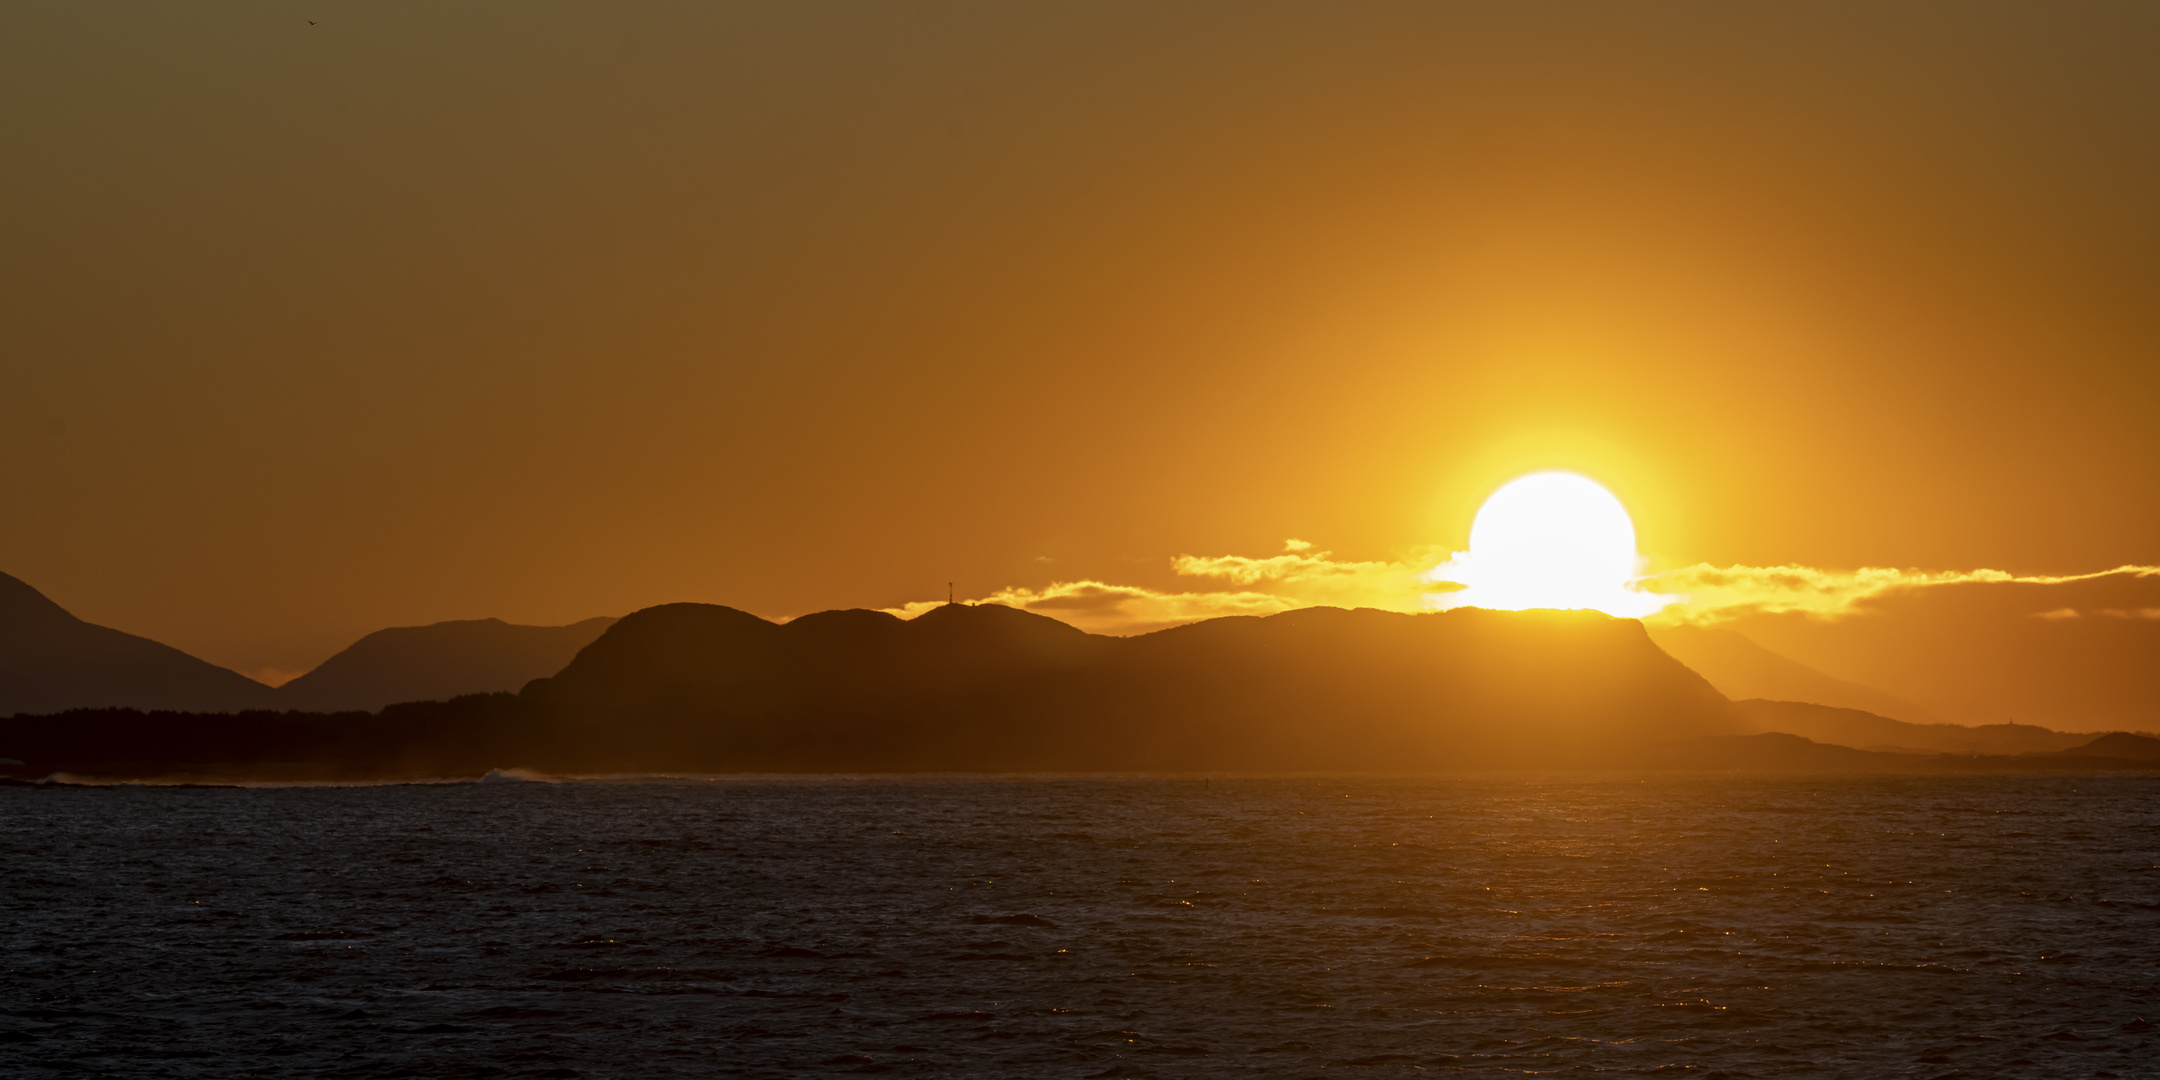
x=2078 y=654
x=990 y=688
x=993 y=688
x=437 y=662
x=1867 y=731
x=701 y=688
x=1741 y=670
x=698 y=687
x=51 y=661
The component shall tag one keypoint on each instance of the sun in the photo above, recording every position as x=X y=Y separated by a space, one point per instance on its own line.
x=1550 y=540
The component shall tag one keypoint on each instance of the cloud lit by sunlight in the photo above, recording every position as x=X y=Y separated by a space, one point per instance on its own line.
x=1546 y=540
x=1317 y=578
x=1102 y=608
x=1419 y=580
x=1716 y=593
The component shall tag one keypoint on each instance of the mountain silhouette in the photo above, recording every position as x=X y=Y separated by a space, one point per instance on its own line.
x=987 y=687
x=1742 y=669
x=51 y=660
x=2119 y=744
x=1867 y=731
x=700 y=688
x=2075 y=655
x=436 y=662
x=697 y=687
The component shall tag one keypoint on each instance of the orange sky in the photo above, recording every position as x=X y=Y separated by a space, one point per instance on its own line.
x=544 y=311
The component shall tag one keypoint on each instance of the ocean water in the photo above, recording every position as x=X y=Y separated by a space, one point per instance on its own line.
x=1100 y=927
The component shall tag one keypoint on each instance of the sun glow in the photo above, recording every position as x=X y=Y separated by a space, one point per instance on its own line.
x=1550 y=540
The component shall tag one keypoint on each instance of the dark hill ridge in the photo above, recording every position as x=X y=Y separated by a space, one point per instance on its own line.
x=1867 y=731
x=437 y=662
x=2118 y=744
x=51 y=660
x=695 y=688
x=987 y=687
x=700 y=688
x=1743 y=670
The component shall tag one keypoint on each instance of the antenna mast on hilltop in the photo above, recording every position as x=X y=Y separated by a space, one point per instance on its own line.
x=948 y=593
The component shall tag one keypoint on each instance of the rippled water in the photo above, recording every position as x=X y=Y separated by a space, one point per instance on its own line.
x=2002 y=926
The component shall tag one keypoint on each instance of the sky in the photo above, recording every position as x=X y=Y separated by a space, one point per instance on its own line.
x=320 y=318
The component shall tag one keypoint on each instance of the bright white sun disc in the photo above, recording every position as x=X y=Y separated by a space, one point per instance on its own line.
x=1551 y=540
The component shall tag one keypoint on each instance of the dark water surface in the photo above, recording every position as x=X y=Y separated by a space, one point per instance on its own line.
x=1986 y=926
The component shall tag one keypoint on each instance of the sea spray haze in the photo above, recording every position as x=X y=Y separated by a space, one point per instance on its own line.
x=1086 y=927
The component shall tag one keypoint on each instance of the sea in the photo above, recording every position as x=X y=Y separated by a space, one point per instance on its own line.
x=1103 y=927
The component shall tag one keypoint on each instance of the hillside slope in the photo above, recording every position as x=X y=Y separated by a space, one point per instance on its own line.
x=1867 y=731
x=50 y=661
x=1742 y=669
x=988 y=687
x=437 y=662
